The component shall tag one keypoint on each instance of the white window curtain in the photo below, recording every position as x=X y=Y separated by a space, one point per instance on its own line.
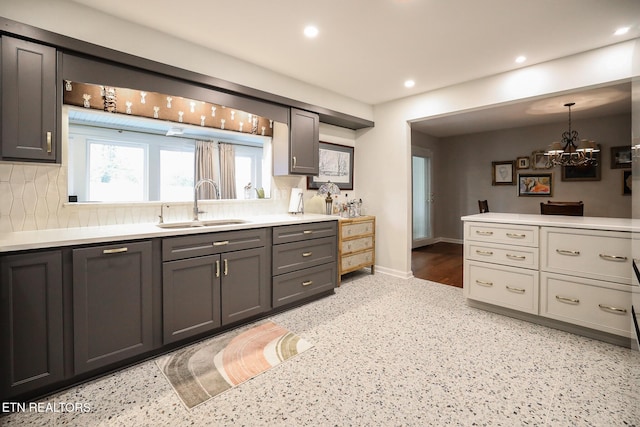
x=207 y=168
x=227 y=171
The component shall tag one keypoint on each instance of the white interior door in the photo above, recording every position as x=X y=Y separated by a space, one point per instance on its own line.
x=422 y=229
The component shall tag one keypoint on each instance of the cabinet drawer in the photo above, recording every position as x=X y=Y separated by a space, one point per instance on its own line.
x=586 y=303
x=516 y=256
x=604 y=255
x=298 y=232
x=357 y=245
x=357 y=229
x=521 y=235
x=291 y=287
x=510 y=287
x=356 y=261
x=297 y=255
x=174 y=248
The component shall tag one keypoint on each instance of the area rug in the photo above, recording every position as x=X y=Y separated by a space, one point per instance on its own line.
x=201 y=371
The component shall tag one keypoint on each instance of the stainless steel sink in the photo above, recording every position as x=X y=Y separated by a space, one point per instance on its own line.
x=205 y=223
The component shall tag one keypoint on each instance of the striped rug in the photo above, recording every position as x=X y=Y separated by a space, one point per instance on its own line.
x=201 y=371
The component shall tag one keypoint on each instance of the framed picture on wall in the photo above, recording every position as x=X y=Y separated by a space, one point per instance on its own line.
x=626 y=183
x=539 y=160
x=336 y=165
x=522 y=163
x=502 y=173
x=583 y=173
x=621 y=157
x=535 y=184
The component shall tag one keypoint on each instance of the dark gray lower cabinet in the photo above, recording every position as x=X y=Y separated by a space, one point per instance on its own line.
x=112 y=304
x=31 y=329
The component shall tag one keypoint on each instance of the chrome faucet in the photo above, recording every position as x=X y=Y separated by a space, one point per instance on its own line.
x=216 y=195
x=161 y=216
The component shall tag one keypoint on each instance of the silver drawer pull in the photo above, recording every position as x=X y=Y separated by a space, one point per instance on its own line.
x=306 y=254
x=307 y=283
x=115 y=251
x=307 y=232
x=518 y=257
x=516 y=236
x=568 y=300
x=226 y=267
x=613 y=309
x=567 y=252
x=217 y=268
x=484 y=253
x=517 y=290
x=613 y=258
x=221 y=243
x=483 y=283
x=484 y=233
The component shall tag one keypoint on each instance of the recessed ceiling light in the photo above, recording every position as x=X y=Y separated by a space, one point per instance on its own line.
x=622 y=30
x=310 y=31
x=520 y=59
x=409 y=83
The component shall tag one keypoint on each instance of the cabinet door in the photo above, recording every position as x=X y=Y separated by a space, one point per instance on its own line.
x=304 y=142
x=246 y=284
x=190 y=297
x=31 y=322
x=28 y=100
x=112 y=304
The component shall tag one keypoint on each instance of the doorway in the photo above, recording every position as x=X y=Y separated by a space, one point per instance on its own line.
x=422 y=197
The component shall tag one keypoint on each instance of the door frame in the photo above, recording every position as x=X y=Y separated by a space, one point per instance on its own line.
x=425 y=153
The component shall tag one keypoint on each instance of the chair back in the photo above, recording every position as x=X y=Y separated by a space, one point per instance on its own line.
x=562 y=208
x=483 y=206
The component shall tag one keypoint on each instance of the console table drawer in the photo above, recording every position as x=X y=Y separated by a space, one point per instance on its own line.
x=357 y=261
x=604 y=255
x=356 y=245
x=586 y=303
x=517 y=256
x=510 y=287
x=520 y=235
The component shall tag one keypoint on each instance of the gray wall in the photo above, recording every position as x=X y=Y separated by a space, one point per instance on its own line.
x=462 y=171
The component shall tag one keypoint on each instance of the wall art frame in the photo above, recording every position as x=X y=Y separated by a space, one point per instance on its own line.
x=335 y=165
x=522 y=162
x=539 y=160
x=621 y=157
x=503 y=173
x=535 y=184
x=626 y=183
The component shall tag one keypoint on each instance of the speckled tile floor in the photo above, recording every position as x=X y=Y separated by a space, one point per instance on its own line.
x=390 y=352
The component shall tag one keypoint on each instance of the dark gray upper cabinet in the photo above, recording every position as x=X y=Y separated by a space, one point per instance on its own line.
x=31 y=322
x=299 y=153
x=29 y=101
x=112 y=304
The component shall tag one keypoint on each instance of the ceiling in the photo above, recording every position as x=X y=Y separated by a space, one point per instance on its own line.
x=366 y=49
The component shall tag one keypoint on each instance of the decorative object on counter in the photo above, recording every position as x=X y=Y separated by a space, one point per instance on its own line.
x=502 y=173
x=483 y=206
x=626 y=183
x=569 y=152
x=260 y=193
x=590 y=172
x=532 y=184
x=242 y=354
x=522 y=163
x=296 y=202
x=328 y=188
x=562 y=208
x=621 y=157
x=336 y=165
x=247 y=191
x=539 y=160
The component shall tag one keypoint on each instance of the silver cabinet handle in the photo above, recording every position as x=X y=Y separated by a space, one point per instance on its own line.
x=307 y=283
x=517 y=290
x=613 y=258
x=226 y=267
x=295 y=161
x=307 y=232
x=518 y=257
x=568 y=300
x=613 y=309
x=217 y=268
x=115 y=251
x=483 y=283
x=484 y=233
x=48 y=142
x=516 y=235
x=567 y=252
x=306 y=254
x=484 y=253
x=221 y=243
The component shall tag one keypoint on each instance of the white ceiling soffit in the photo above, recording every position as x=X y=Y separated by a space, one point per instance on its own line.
x=599 y=102
x=366 y=49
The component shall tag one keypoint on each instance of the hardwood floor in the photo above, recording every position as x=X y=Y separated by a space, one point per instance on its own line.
x=440 y=262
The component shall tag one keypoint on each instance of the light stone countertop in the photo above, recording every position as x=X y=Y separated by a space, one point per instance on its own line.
x=39 y=239
x=585 y=222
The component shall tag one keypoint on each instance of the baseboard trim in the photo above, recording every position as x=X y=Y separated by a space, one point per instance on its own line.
x=406 y=275
x=449 y=240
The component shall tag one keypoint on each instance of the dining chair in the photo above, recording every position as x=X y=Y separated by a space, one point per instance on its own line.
x=483 y=206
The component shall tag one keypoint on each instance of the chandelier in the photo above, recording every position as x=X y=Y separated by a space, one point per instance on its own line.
x=570 y=152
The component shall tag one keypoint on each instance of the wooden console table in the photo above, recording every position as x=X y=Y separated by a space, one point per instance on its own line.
x=356 y=244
